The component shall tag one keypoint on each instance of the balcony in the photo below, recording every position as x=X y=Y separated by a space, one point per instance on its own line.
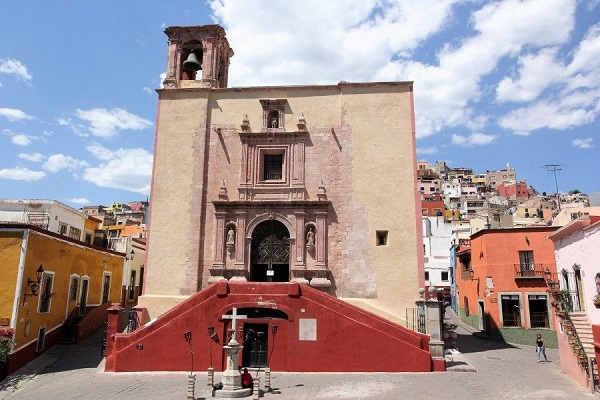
x=530 y=271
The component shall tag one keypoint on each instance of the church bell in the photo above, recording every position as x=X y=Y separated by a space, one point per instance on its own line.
x=192 y=64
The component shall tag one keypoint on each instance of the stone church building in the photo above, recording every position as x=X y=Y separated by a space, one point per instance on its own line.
x=295 y=204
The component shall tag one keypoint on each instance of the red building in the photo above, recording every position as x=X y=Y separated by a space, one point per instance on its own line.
x=515 y=191
x=501 y=284
x=432 y=205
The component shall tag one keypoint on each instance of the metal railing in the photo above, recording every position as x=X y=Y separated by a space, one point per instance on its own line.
x=415 y=319
x=511 y=318
x=539 y=320
x=526 y=270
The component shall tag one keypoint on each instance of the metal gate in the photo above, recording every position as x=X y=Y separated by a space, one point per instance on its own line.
x=270 y=252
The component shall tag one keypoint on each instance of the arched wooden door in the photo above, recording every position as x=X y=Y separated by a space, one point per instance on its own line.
x=270 y=253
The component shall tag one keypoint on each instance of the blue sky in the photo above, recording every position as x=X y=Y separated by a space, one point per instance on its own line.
x=500 y=82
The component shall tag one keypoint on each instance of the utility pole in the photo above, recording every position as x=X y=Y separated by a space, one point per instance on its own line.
x=552 y=168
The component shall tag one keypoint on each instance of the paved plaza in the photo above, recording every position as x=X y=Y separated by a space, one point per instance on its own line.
x=482 y=370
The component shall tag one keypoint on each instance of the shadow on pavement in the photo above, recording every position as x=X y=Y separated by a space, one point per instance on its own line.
x=469 y=343
x=61 y=357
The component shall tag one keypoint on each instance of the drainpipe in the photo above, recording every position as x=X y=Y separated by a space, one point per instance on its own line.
x=20 y=274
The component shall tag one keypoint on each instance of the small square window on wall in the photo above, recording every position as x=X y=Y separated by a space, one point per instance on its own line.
x=382 y=237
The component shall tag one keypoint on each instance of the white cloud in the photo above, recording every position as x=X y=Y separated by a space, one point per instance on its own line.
x=58 y=162
x=127 y=169
x=564 y=113
x=427 y=150
x=21 y=140
x=35 y=157
x=475 y=139
x=148 y=90
x=21 y=174
x=78 y=200
x=335 y=40
x=586 y=143
x=13 y=114
x=106 y=123
x=531 y=82
x=100 y=152
x=14 y=67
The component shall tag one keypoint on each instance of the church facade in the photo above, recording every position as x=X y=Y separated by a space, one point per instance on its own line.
x=283 y=219
x=313 y=184
x=307 y=184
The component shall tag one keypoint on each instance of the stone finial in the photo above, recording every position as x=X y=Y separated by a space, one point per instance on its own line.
x=222 y=190
x=301 y=123
x=245 y=123
x=321 y=192
x=431 y=292
x=421 y=293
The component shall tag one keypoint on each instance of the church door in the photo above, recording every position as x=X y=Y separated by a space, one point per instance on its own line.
x=256 y=339
x=270 y=254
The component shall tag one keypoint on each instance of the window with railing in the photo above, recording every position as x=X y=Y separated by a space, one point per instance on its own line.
x=74 y=233
x=46 y=292
x=73 y=288
x=131 y=295
x=272 y=167
x=538 y=311
x=62 y=228
x=526 y=259
x=511 y=310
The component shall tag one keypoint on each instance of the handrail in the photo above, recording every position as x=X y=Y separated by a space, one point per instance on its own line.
x=526 y=270
x=569 y=327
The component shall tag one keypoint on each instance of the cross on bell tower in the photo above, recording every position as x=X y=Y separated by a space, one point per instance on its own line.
x=198 y=57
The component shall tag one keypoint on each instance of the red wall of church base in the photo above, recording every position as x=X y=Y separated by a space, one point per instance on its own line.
x=347 y=338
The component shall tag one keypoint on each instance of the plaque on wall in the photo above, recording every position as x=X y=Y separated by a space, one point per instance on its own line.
x=4 y=321
x=307 y=329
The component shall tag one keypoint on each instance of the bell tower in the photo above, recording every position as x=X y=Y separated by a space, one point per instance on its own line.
x=198 y=57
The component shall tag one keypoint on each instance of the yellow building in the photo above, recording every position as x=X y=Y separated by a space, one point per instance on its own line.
x=49 y=279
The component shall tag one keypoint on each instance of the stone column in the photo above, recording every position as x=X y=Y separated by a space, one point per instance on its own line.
x=115 y=321
x=300 y=239
x=321 y=239
x=219 y=238
x=433 y=326
x=240 y=249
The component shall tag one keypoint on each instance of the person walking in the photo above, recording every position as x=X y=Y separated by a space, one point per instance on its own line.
x=540 y=348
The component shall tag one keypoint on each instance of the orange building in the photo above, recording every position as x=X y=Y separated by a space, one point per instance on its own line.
x=501 y=284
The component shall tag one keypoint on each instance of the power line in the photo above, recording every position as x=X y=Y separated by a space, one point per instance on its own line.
x=553 y=168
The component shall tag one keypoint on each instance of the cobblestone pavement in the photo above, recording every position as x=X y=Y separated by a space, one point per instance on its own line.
x=497 y=371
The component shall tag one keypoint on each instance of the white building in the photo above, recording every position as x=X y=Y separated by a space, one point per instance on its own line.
x=437 y=240
x=48 y=214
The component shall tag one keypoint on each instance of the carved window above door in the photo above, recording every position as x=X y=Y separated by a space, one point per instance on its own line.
x=272 y=166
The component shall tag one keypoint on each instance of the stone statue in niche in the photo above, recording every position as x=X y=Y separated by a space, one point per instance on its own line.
x=310 y=238
x=230 y=244
x=231 y=236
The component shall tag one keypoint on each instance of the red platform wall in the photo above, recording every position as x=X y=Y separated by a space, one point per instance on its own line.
x=348 y=338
